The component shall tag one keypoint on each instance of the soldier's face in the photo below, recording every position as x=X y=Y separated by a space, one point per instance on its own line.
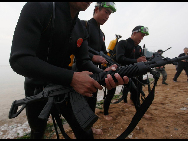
x=186 y=51
x=101 y=16
x=137 y=37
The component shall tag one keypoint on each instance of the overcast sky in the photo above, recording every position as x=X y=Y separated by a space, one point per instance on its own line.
x=167 y=23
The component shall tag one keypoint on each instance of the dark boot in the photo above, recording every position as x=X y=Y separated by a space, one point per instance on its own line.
x=164 y=83
x=37 y=135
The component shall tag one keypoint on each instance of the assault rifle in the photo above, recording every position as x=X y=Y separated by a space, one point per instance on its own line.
x=157 y=54
x=81 y=109
x=112 y=62
x=83 y=113
x=137 y=69
x=101 y=53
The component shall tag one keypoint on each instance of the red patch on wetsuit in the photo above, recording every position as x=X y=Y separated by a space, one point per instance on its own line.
x=79 y=42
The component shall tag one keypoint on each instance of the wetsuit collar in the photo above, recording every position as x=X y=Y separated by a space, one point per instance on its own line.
x=95 y=22
x=131 y=41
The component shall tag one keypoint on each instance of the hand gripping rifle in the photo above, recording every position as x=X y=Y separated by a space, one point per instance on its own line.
x=101 y=53
x=83 y=113
x=110 y=61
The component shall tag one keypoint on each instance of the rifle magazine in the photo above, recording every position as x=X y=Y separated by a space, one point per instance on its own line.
x=83 y=113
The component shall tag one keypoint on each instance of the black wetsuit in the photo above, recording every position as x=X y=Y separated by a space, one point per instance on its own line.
x=163 y=72
x=181 y=66
x=95 y=41
x=96 y=38
x=32 y=57
x=127 y=53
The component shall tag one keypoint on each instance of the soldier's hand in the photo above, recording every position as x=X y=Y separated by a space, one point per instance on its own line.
x=109 y=80
x=183 y=60
x=99 y=59
x=84 y=84
x=141 y=59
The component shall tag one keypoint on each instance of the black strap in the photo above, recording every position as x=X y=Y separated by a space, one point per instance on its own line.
x=130 y=85
x=55 y=126
x=140 y=112
x=104 y=93
x=87 y=27
x=56 y=117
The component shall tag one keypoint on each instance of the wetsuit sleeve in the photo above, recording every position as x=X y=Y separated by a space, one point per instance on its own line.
x=23 y=57
x=90 y=55
x=120 y=54
x=181 y=55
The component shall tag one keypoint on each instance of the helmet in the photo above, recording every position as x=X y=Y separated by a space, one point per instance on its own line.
x=141 y=29
x=110 y=5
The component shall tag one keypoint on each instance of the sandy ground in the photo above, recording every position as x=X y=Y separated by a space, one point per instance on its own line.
x=168 y=112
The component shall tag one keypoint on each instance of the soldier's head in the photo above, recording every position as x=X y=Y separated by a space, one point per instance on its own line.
x=138 y=34
x=185 y=50
x=160 y=51
x=102 y=11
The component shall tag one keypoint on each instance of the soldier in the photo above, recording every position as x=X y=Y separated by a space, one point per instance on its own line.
x=161 y=69
x=182 y=65
x=43 y=58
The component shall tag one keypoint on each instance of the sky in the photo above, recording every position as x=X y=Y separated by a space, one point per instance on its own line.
x=167 y=23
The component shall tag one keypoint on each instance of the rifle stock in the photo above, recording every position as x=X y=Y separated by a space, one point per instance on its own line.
x=84 y=115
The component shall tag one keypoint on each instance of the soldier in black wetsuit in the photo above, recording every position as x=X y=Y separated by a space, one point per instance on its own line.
x=42 y=58
x=182 y=65
x=96 y=41
x=129 y=52
x=161 y=69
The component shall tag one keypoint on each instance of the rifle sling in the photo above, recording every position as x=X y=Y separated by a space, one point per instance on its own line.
x=140 y=112
x=56 y=117
x=129 y=86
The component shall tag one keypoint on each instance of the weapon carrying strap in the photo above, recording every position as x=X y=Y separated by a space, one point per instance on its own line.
x=56 y=119
x=129 y=86
x=140 y=112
